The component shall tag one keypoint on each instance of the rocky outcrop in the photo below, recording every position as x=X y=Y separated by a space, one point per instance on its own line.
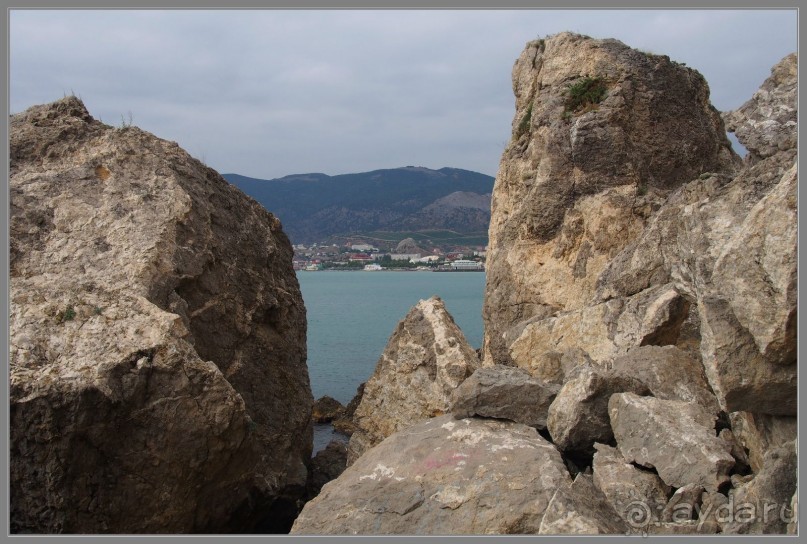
x=425 y=360
x=505 y=393
x=577 y=185
x=157 y=360
x=442 y=476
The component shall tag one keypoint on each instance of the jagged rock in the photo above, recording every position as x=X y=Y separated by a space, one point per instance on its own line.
x=580 y=508
x=669 y=373
x=714 y=510
x=326 y=465
x=505 y=393
x=637 y=495
x=326 y=409
x=576 y=187
x=676 y=438
x=578 y=417
x=157 y=361
x=442 y=476
x=344 y=423
x=425 y=359
x=767 y=124
x=759 y=433
x=763 y=504
x=684 y=505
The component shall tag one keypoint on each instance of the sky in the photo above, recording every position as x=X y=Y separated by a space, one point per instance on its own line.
x=271 y=93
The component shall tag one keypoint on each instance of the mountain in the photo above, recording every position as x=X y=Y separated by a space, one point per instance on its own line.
x=315 y=206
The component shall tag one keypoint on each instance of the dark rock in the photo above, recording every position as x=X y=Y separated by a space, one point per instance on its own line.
x=326 y=409
x=326 y=465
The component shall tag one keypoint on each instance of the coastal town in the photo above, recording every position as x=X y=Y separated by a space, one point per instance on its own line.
x=407 y=255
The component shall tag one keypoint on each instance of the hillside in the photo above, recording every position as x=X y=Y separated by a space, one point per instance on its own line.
x=314 y=207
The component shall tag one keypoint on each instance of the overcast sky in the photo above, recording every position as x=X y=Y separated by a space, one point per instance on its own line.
x=271 y=93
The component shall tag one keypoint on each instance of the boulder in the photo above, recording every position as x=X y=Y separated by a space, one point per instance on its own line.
x=637 y=495
x=676 y=438
x=581 y=509
x=578 y=417
x=505 y=393
x=425 y=360
x=442 y=476
x=684 y=505
x=158 y=336
x=326 y=409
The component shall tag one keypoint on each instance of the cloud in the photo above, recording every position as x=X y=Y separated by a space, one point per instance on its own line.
x=269 y=93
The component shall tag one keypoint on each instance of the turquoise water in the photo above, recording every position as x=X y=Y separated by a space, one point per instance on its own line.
x=351 y=315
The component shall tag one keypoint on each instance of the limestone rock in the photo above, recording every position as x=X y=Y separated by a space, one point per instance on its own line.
x=442 y=476
x=326 y=465
x=580 y=508
x=763 y=505
x=637 y=495
x=578 y=417
x=157 y=361
x=505 y=393
x=669 y=373
x=767 y=123
x=676 y=438
x=575 y=187
x=425 y=360
x=326 y=409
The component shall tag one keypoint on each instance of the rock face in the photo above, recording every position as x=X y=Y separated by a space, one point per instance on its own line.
x=442 y=476
x=505 y=393
x=575 y=187
x=629 y=222
x=157 y=360
x=326 y=465
x=425 y=360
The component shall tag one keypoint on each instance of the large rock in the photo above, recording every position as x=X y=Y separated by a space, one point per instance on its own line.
x=326 y=409
x=676 y=438
x=638 y=496
x=425 y=360
x=506 y=393
x=442 y=476
x=157 y=361
x=576 y=186
x=578 y=417
x=326 y=465
x=580 y=508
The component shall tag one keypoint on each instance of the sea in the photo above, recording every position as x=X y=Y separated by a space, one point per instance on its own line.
x=351 y=315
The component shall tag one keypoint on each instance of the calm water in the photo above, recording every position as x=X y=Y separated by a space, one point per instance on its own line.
x=351 y=315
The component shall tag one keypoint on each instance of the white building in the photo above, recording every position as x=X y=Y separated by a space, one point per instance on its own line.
x=372 y=267
x=461 y=264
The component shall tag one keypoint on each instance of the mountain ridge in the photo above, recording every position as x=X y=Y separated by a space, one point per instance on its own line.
x=315 y=206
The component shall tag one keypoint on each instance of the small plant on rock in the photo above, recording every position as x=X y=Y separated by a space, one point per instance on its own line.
x=68 y=314
x=585 y=95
